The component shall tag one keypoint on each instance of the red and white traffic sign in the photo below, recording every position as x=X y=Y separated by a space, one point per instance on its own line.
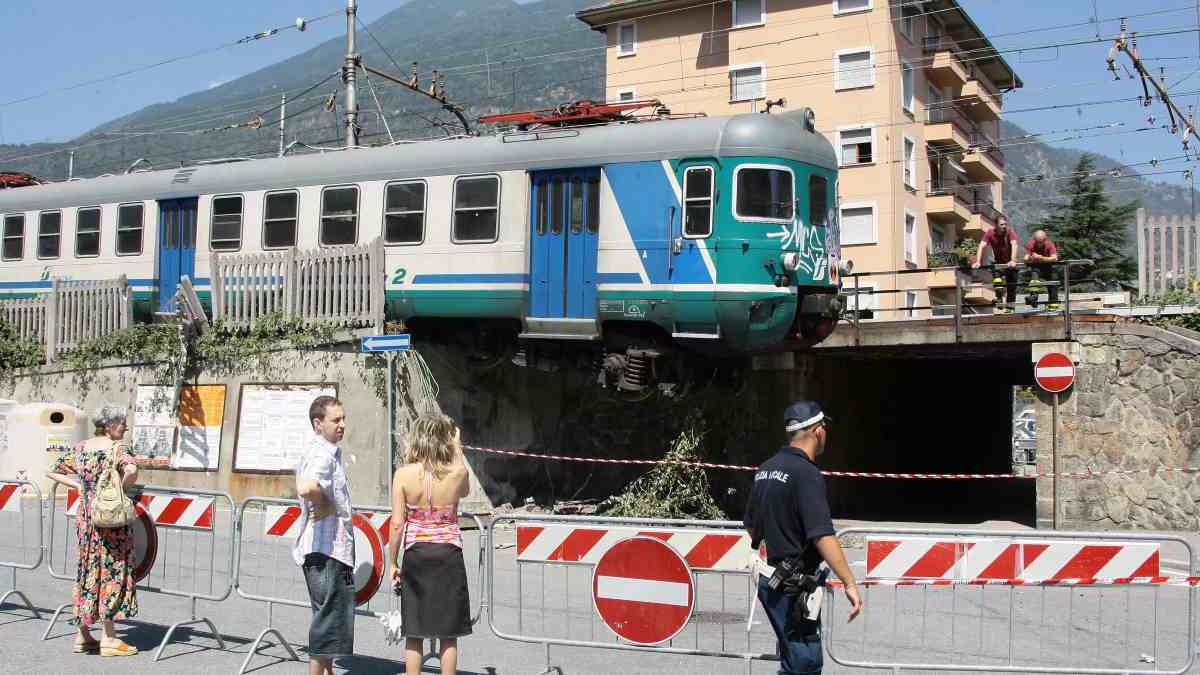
x=643 y=590
x=369 y=539
x=1054 y=372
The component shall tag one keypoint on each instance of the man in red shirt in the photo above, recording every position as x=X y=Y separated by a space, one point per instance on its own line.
x=1002 y=240
x=1040 y=252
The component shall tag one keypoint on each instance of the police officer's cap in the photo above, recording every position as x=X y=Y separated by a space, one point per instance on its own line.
x=804 y=414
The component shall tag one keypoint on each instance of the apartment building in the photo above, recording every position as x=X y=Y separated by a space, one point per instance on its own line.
x=908 y=91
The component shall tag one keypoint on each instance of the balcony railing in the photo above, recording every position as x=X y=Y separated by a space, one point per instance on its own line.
x=982 y=205
x=948 y=112
x=932 y=44
x=962 y=193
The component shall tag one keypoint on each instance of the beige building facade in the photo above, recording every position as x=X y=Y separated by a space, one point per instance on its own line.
x=908 y=92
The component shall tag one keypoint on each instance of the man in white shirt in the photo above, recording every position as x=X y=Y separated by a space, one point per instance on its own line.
x=325 y=547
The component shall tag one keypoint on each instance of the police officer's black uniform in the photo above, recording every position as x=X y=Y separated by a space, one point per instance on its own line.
x=788 y=510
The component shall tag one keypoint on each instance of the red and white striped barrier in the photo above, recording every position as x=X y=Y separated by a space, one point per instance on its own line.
x=981 y=559
x=370 y=539
x=716 y=550
x=284 y=521
x=10 y=497
x=182 y=511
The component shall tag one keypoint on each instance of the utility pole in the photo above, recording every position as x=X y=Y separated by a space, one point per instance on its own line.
x=1183 y=124
x=348 y=74
x=71 y=165
x=282 y=118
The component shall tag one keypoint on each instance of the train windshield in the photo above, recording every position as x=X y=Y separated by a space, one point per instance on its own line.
x=764 y=194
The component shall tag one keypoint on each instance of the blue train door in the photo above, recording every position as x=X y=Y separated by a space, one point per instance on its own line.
x=176 y=247
x=564 y=247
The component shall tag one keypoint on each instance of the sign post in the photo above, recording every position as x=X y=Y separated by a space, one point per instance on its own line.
x=643 y=591
x=1054 y=373
x=389 y=344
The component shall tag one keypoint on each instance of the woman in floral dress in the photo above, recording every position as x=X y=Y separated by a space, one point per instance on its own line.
x=104 y=584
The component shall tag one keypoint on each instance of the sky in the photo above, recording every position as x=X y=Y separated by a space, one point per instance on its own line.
x=51 y=46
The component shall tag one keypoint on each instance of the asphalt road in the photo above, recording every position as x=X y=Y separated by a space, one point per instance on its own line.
x=1071 y=628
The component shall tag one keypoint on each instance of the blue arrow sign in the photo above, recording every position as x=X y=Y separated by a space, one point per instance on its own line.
x=401 y=342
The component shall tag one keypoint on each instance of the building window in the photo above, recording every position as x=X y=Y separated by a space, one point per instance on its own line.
x=749 y=13
x=129 y=229
x=848 y=6
x=910 y=163
x=225 y=227
x=339 y=215
x=477 y=209
x=910 y=303
x=49 y=234
x=907 y=14
x=818 y=201
x=747 y=83
x=404 y=213
x=857 y=224
x=625 y=95
x=763 y=193
x=910 y=238
x=626 y=39
x=87 y=233
x=14 y=237
x=279 y=221
x=907 y=86
x=857 y=146
x=697 y=201
x=854 y=68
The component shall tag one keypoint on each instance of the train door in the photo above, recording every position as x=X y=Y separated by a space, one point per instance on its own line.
x=564 y=247
x=176 y=247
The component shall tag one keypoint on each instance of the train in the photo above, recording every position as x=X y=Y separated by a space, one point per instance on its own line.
x=637 y=244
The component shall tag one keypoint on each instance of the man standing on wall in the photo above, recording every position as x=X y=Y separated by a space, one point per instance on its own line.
x=788 y=511
x=1040 y=252
x=1002 y=240
x=325 y=547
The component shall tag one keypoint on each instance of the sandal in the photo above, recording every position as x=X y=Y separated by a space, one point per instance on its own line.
x=121 y=649
x=85 y=647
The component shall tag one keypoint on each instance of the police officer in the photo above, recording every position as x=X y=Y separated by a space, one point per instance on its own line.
x=789 y=512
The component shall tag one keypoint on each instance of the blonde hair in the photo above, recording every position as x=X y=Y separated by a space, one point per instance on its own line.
x=431 y=441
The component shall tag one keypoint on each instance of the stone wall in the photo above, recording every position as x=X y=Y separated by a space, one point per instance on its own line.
x=1135 y=407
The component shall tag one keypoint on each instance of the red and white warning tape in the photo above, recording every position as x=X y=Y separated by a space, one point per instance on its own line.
x=842 y=474
x=1123 y=581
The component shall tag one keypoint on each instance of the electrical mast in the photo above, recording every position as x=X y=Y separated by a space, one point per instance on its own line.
x=348 y=73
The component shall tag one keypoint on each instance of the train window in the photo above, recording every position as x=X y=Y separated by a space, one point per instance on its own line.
x=404 y=213
x=279 y=221
x=14 y=237
x=476 y=209
x=763 y=193
x=556 y=206
x=339 y=215
x=87 y=233
x=543 y=203
x=576 y=206
x=225 y=230
x=129 y=229
x=49 y=234
x=697 y=201
x=818 y=201
x=593 y=204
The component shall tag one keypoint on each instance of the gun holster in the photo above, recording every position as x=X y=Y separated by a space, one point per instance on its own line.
x=806 y=585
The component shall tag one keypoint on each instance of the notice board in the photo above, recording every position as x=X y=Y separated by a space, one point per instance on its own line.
x=273 y=428
x=201 y=415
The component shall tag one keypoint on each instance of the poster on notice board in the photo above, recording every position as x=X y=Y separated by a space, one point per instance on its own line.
x=201 y=416
x=272 y=425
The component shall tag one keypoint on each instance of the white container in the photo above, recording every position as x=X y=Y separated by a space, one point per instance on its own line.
x=38 y=434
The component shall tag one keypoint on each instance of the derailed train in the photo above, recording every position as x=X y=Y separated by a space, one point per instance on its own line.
x=699 y=238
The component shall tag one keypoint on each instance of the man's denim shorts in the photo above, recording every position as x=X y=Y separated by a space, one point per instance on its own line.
x=331 y=589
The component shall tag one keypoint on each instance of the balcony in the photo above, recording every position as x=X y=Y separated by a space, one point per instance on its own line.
x=980 y=99
x=983 y=215
x=949 y=128
x=984 y=162
x=950 y=203
x=945 y=68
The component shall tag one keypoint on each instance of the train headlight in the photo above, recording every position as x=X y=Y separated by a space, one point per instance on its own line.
x=791 y=261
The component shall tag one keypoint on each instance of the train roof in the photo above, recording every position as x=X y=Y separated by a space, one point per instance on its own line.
x=785 y=135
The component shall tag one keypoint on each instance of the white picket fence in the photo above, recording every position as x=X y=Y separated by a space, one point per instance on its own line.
x=1168 y=253
x=71 y=312
x=342 y=285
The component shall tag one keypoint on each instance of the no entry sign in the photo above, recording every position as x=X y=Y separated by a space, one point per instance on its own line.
x=643 y=590
x=1054 y=372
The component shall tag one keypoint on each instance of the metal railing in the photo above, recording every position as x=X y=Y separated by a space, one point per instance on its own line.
x=343 y=285
x=963 y=193
x=71 y=312
x=20 y=541
x=960 y=309
x=1017 y=601
x=953 y=114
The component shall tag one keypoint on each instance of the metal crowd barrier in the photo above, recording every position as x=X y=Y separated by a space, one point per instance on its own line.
x=184 y=543
x=1017 y=602
x=17 y=551
x=266 y=529
x=547 y=594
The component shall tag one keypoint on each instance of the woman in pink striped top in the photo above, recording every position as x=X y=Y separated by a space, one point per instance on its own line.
x=433 y=578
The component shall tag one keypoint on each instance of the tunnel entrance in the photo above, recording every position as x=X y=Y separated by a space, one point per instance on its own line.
x=930 y=414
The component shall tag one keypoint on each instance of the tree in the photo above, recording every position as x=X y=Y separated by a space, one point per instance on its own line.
x=1089 y=227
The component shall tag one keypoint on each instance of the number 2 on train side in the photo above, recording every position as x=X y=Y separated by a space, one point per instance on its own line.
x=399 y=276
